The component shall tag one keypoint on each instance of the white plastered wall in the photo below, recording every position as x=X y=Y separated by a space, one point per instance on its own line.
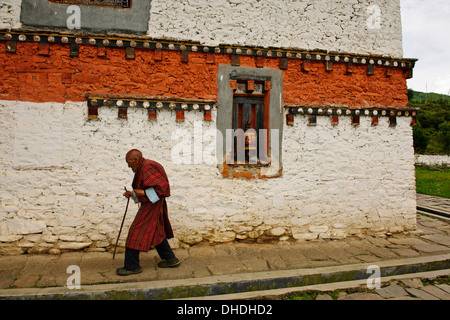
x=10 y=14
x=62 y=178
x=369 y=27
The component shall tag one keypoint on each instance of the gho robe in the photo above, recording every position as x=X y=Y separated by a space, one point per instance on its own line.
x=151 y=224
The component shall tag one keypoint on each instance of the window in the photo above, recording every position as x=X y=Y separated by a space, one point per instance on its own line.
x=250 y=130
x=113 y=3
x=250 y=96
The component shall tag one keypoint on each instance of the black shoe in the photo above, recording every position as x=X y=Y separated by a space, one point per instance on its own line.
x=125 y=272
x=169 y=263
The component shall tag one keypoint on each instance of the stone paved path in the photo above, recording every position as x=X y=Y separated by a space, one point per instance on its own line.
x=433 y=202
x=407 y=289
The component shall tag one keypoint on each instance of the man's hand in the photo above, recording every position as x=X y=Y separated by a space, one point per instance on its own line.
x=128 y=194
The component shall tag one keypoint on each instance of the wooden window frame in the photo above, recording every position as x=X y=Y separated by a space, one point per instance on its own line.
x=239 y=100
x=264 y=97
x=112 y=3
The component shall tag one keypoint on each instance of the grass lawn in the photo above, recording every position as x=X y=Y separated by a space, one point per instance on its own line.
x=433 y=182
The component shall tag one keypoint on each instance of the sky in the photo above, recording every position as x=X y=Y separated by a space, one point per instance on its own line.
x=426 y=36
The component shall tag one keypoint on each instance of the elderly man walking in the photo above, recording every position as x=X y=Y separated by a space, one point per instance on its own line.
x=151 y=226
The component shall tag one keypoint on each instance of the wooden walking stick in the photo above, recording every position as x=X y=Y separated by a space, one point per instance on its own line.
x=126 y=209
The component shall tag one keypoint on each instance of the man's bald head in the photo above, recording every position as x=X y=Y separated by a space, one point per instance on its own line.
x=132 y=158
x=134 y=154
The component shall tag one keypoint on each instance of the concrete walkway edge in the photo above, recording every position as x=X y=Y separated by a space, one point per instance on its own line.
x=325 y=287
x=235 y=283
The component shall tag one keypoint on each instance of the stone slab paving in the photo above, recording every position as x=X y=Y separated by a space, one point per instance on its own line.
x=407 y=289
x=433 y=202
x=420 y=294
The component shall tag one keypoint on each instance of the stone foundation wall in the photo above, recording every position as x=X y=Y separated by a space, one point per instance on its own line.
x=440 y=160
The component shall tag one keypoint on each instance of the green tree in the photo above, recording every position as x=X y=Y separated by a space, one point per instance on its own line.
x=420 y=140
x=433 y=118
x=444 y=136
x=410 y=94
